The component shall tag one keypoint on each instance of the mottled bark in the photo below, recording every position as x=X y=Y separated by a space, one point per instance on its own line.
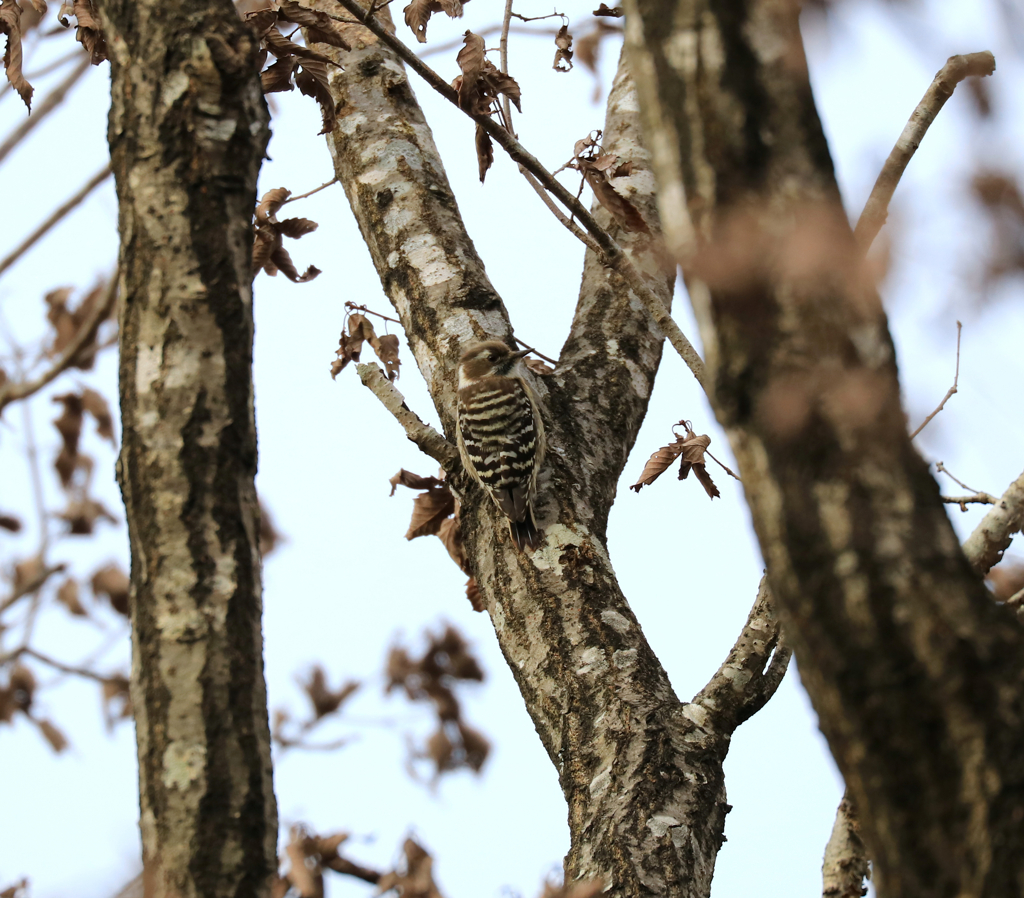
x=188 y=130
x=641 y=771
x=917 y=677
x=845 y=866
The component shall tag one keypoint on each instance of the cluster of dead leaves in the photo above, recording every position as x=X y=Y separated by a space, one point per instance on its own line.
x=435 y=512
x=17 y=890
x=87 y=30
x=68 y=323
x=360 y=331
x=432 y=678
x=82 y=511
x=268 y=252
x=308 y=855
x=599 y=170
x=418 y=13
x=324 y=703
x=478 y=87
x=692 y=448
x=17 y=696
x=298 y=65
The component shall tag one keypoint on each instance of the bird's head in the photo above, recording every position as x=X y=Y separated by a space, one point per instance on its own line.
x=489 y=359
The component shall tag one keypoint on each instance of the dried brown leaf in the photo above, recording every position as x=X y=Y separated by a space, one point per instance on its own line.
x=615 y=12
x=88 y=32
x=311 y=79
x=306 y=879
x=417 y=16
x=484 y=152
x=117 y=700
x=441 y=751
x=10 y=24
x=539 y=366
x=278 y=77
x=21 y=686
x=325 y=700
x=386 y=348
x=112 y=582
x=280 y=47
x=475 y=745
x=283 y=262
x=658 y=464
x=81 y=516
x=563 y=53
x=58 y=741
x=67 y=595
x=271 y=203
x=470 y=60
x=270 y=536
x=413 y=481
x=624 y=212
x=429 y=511
x=476 y=600
x=97 y=406
x=10 y=522
x=321 y=27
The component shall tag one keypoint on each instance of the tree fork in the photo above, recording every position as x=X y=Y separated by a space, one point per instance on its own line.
x=188 y=130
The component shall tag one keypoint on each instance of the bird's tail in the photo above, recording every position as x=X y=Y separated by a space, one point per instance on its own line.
x=525 y=533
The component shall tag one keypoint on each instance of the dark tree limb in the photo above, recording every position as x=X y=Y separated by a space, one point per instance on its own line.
x=916 y=676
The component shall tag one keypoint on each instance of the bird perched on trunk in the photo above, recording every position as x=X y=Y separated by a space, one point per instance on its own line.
x=501 y=435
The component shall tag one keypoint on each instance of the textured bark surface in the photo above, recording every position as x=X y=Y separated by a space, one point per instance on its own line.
x=641 y=771
x=845 y=866
x=188 y=129
x=917 y=677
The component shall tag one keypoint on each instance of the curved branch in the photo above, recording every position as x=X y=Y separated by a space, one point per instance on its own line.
x=753 y=669
x=985 y=546
x=423 y=435
x=876 y=210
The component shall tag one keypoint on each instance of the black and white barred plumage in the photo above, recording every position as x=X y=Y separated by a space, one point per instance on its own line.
x=501 y=436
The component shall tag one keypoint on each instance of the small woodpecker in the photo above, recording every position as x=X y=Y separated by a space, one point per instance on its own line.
x=501 y=435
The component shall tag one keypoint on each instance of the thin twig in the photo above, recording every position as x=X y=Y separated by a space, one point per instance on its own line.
x=614 y=256
x=458 y=42
x=31 y=586
x=54 y=218
x=50 y=102
x=949 y=392
x=876 y=209
x=12 y=392
x=302 y=196
x=545 y=197
x=353 y=307
x=725 y=468
x=503 y=44
x=976 y=499
x=66 y=668
x=423 y=435
x=942 y=469
x=539 y=355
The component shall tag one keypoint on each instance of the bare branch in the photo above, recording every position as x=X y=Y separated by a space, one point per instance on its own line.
x=54 y=218
x=12 y=392
x=754 y=668
x=725 y=468
x=66 y=668
x=31 y=585
x=613 y=254
x=985 y=546
x=51 y=102
x=949 y=76
x=302 y=196
x=975 y=499
x=423 y=435
x=950 y=391
x=846 y=859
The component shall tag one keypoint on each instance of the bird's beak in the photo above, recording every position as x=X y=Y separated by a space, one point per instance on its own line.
x=521 y=354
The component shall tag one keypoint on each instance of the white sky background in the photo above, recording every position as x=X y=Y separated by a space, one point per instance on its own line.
x=347 y=583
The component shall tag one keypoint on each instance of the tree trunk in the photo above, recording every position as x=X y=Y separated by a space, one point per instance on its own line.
x=916 y=675
x=188 y=130
x=640 y=770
